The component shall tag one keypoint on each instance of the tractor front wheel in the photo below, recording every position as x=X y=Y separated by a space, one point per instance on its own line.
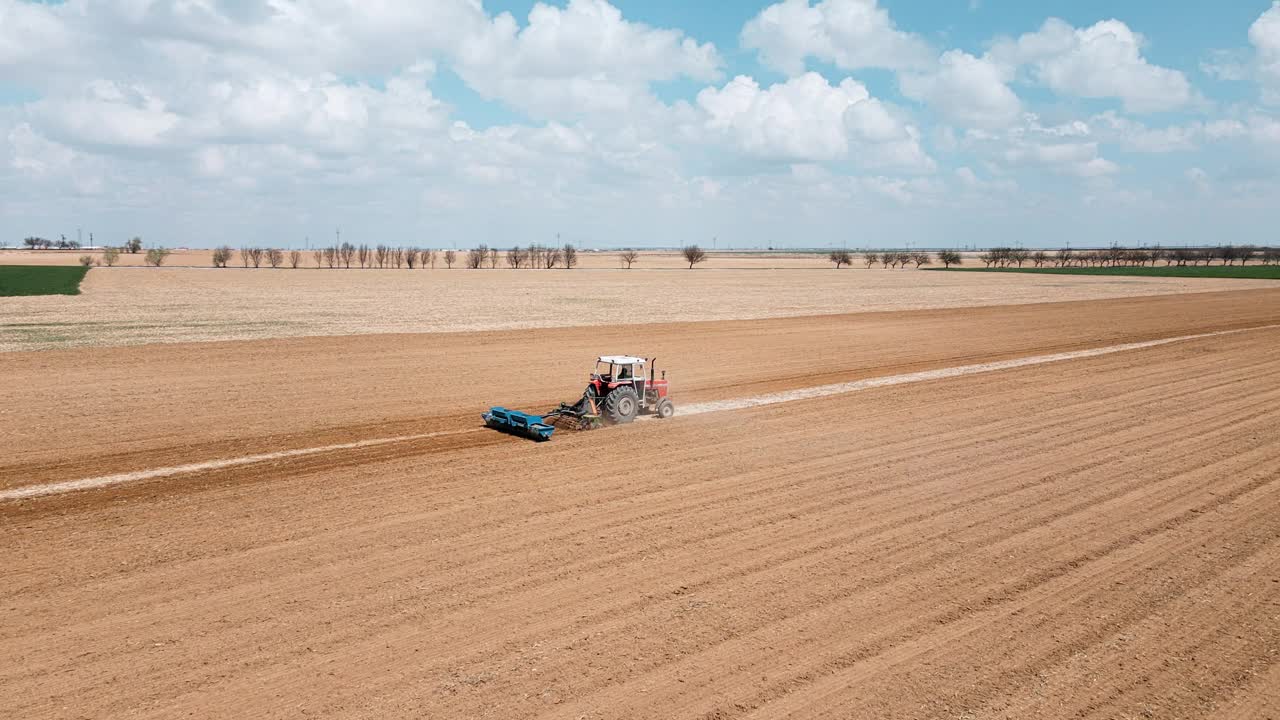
x=665 y=408
x=622 y=405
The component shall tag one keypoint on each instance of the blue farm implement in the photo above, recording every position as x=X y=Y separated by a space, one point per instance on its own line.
x=617 y=393
x=518 y=423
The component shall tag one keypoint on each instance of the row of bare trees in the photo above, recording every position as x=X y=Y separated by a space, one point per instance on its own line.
x=1118 y=256
x=1114 y=256
x=534 y=256
x=383 y=256
x=132 y=245
x=891 y=259
x=333 y=257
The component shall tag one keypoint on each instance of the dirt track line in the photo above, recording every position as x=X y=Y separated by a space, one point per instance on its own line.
x=33 y=491
x=940 y=374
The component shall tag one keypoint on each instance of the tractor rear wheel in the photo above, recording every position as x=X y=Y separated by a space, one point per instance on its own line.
x=622 y=405
x=665 y=408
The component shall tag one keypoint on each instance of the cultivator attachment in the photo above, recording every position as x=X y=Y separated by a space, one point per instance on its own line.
x=582 y=415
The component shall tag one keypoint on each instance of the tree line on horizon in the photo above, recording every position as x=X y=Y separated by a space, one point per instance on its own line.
x=347 y=256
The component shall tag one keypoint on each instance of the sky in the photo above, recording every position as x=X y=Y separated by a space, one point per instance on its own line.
x=641 y=123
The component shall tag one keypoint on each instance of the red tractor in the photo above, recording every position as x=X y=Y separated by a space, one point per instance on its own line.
x=617 y=393
x=621 y=391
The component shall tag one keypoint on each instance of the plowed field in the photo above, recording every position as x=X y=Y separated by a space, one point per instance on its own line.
x=133 y=306
x=1087 y=538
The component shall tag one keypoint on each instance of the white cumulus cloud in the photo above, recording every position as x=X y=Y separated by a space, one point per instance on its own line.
x=583 y=58
x=1264 y=34
x=967 y=90
x=851 y=34
x=1101 y=61
x=808 y=119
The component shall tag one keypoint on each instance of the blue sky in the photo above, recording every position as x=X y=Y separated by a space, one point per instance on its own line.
x=655 y=123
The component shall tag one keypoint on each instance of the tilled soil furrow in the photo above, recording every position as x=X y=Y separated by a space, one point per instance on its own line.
x=938 y=549
x=805 y=655
x=1087 y=599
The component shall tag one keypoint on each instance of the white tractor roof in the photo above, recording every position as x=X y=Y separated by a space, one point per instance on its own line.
x=620 y=359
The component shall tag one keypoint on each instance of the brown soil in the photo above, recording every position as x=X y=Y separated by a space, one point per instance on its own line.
x=1099 y=538
x=128 y=306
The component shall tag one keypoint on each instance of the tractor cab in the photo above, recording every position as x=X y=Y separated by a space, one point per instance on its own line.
x=614 y=370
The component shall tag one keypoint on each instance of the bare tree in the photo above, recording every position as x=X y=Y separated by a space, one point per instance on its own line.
x=86 y=260
x=295 y=259
x=493 y=258
x=516 y=257
x=693 y=255
x=275 y=257
x=1019 y=255
x=346 y=252
x=397 y=257
x=988 y=258
x=318 y=255
x=111 y=256
x=1270 y=256
x=840 y=257
x=244 y=256
x=362 y=255
x=380 y=254
x=536 y=253
x=1040 y=258
x=450 y=257
x=1062 y=258
x=429 y=257
x=476 y=257
x=134 y=246
x=1245 y=253
x=629 y=257
x=870 y=259
x=921 y=258
x=551 y=258
x=331 y=256
x=411 y=257
x=949 y=258
x=889 y=259
x=255 y=256
x=570 y=256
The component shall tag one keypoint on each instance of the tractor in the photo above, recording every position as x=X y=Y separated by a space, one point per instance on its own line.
x=617 y=393
x=621 y=391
